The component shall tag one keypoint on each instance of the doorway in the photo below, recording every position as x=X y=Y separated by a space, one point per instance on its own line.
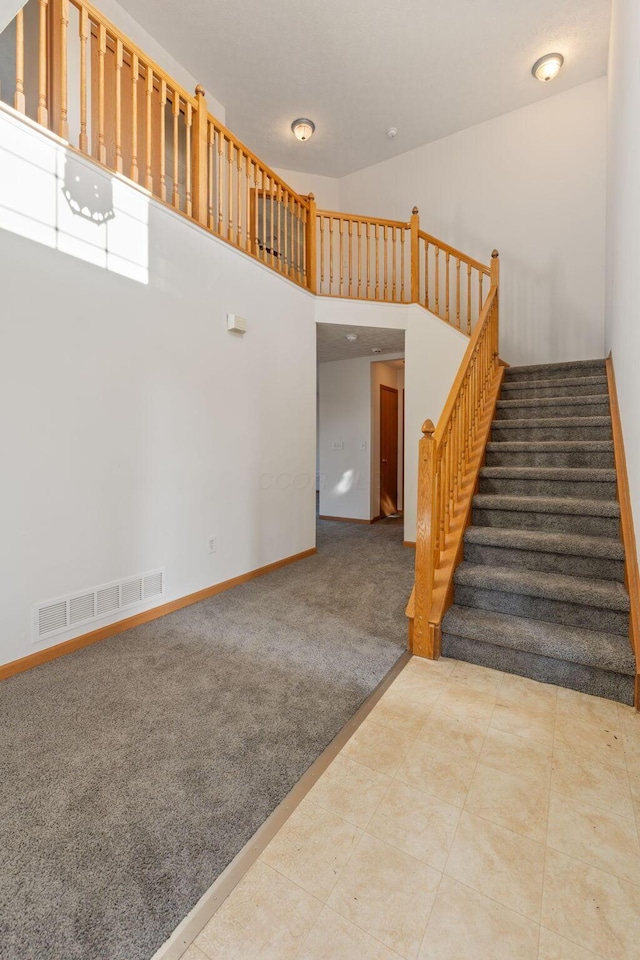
x=388 y=451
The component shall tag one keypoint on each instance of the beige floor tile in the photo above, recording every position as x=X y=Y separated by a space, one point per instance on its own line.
x=580 y=706
x=517 y=755
x=635 y=794
x=335 y=938
x=498 y=863
x=193 y=953
x=553 y=947
x=443 y=667
x=591 y=908
x=530 y=694
x=388 y=894
x=311 y=848
x=513 y=802
x=596 y=741
x=630 y=726
x=377 y=747
x=266 y=916
x=532 y=724
x=593 y=834
x=465 y=925
x=466 y=703
x=478 y=678
x=419 y=685
x=416 y=823
x=448 y=732
x=406 y=716
x=350 y=790
x=442 y=775
x=597 y=783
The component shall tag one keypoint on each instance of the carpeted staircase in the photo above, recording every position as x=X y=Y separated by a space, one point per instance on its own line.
x=540 y=591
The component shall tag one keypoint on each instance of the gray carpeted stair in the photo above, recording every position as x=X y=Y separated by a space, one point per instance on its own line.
x=541 y=589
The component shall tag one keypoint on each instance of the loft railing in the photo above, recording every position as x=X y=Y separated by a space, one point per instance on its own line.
x=449 y=459
x=78 y=75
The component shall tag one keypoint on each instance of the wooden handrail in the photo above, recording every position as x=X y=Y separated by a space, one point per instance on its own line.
x=627 y=529
x=480 y=267
x=450 y=456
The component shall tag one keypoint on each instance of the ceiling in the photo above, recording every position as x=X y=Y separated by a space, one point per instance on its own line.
x=333 y=343
x=357 y=67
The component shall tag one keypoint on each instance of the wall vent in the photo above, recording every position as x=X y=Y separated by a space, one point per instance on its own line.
x=65 y=613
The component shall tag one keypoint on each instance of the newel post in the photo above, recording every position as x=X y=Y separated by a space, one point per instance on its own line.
x=495 y=282
x=415 y=256
x=495 y=268
x=311 y=264
x=200 y=157
x=425 y=642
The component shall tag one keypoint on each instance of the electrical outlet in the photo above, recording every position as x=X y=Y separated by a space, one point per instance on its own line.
x=363 y=444
x=213 y=544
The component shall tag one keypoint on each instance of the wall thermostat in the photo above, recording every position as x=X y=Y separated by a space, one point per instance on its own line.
x=234 y=322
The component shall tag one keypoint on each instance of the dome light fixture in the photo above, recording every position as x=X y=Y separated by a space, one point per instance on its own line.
x=303 y=128
x=547 y=67
x=351 y=337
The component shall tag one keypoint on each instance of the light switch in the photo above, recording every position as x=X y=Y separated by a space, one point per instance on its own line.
x=338 y=444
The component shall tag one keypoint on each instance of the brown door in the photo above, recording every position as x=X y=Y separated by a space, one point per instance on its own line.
x=388 y=451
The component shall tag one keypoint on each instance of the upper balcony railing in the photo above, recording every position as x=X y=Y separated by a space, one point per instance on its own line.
x=83 y=79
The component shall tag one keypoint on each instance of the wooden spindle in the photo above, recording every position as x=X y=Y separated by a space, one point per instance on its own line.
x=18 y=98
x=256 y=212
x=359 y=233
x=135 y=69
x=230 y=166
x=402 y=256
x=480 y=300
x=368 y=226
x=118 y=105
x=426 y=273
x=377 y=262
x=273 y=220
x=322 y=219
x=83 y=140
x=221 y=183
x=102 y=51
x=458 y=292
x=63 y=81
x=330 y=254
x=447 y=286
x=247 y=232
x=284 y=210
x=394 y=265
x=350 y=293
x=175 y=114
x=312 y=256
x=306 y=252
x=437 y=280
x=384 y=255
x=202 y=169
x=415 y=255
x=469 y=298
x=239 y=181
x=341 y=228
x=188 y=198
x=163 y=140
x=263 y=180
x=148 y=178
x=42 y=112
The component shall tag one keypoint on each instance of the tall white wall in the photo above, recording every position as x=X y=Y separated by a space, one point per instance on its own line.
x=532 y=184
x=134 y=425
x=623 y=229
x=325 y=189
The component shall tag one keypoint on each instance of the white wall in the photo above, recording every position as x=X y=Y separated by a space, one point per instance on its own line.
x=135 y=426
x=324 y=189
x=623 y=228
x=532 y=184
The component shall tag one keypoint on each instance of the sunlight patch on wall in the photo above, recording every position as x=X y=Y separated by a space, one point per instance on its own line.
x=55 y=197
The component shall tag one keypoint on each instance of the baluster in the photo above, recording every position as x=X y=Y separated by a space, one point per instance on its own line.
x=402 y=255
x=341 y=227
x=426 y=273
x=248 y=165
x=330 y=255
x=447 y=286
x=437 y=280
x=273 y=222
x=134 y=122
x=350 y=294
x=263 y=189
x=163 y=141
x=368 y=225
x=63 y=129
x=458 y=292
x=220 y=140
x=188 y=166
x=322 y=253
x=359 y=235
x=256 y=205
x=102 y=50
x=230 y=190
x=83 y=141
x=239 y=157
x=43 y=113
x=384 y=255
x=18 y=98
x=118 y=105
x=280 y=249
x=175 y=109
x=469 y=298
x=443 y=495
x=211 y=154
x=377 y=264
x=480 y=301
x=394 y=265
x=450 y=476
x=148 y=179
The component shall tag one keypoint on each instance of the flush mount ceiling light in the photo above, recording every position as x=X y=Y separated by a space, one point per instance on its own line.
x=303 y=129
x=547 y=67
x=351 y=337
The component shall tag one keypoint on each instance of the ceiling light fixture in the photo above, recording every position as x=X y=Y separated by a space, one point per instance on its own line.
x=547 y=67
x=303 y=129
x=351 y=337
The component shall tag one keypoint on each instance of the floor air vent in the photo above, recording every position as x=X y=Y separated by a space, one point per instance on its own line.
x=65 y=613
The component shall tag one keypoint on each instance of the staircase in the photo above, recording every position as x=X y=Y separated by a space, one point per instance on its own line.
x=540 y=591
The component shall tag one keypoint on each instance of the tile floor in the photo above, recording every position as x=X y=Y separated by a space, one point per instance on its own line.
x=474 y=815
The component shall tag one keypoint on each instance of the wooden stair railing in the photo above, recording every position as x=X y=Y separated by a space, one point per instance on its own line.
x=103 y=96
x=450 y=457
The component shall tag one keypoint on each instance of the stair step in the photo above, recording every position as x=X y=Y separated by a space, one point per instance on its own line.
x=558 y=387
x=550 y=453
x=552 y=407
x=551 y=371
x=553 y=428
x=601 y=605
x=585 y=482
x=598 y=558
x=596 y=518
x=599 y=664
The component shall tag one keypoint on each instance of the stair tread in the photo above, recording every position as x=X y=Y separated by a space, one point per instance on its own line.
x=564 y=365
x=570 y=544
x=585 y=474
x=541 y=422
x=550 y=446
x=600 y=594
x=607 y=651
x=555 y=382
x=572 y=505
x=560 y=401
